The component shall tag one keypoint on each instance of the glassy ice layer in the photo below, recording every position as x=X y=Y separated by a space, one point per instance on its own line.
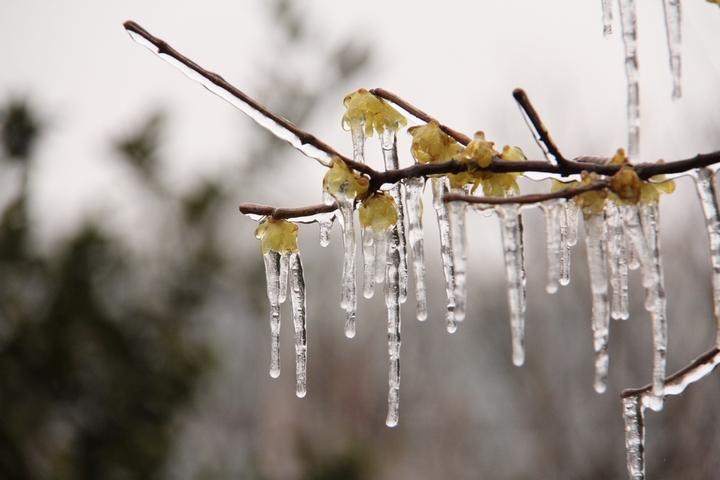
x=413 y=201
x=440 y=188
x=597 y=265
x=297 y=298
x=512 y=237
x=272 y=276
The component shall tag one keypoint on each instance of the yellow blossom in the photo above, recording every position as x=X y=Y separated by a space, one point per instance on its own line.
x=717 y=2
x=277 y=235
x=626 y=185
x=479 y=151
x=592 y=202
x=339 y=175
x=364 y=108
x=656 y=186
x=431 y=144
x=378 y=211
x=619 y=158
x=501 y=184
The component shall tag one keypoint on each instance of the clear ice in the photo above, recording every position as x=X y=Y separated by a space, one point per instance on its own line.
x=440 y=187
x=512 y=238
x=633 y=411
x=607 y=17
x=325 y=226
x=388 y=141
x=368 y=249
x=672 y=26
x=272 y=276
x=348 y=295
x=413 y=200
x=553 y=209
x=297 y=298
x=392 y=302
x=456 y=215
x=284 y=261
x=565 y=243
x=656 y=303
x=572 y=212
x=628 y=16
x=705 y=183
x=617 y=257
x=596 y=242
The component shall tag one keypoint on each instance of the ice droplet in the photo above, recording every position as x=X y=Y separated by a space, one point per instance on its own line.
x=597 y=265
x=413 y=200
x=272 y=276
x=672 y=26
x=628 y=17
x=297 y=297
x=512 y=237
x=633 y=412
x=705 y=183
x=440 y=187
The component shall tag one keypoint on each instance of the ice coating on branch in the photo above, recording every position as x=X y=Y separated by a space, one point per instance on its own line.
x=414 y=205
x=633 y=411
x=392 y=302
x=388 y=141
x=705 y=183
x=297 y=297
x=512 y=238
x=672 y=26
x=656 y=302
x=607 y=17
x=597 y=265
x=456 y=216
x=272 y=277
x=618 y=262
x=440 y=188
x=628 y=17
x=553 y=209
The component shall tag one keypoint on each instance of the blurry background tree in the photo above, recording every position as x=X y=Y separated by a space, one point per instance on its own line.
x=152 y=363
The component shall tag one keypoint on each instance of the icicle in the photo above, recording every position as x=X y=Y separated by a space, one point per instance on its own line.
x=672 y=26
x=368 y=242
x=607 y=17
x=413 y=199
x=284 y=259
x=553 y=210
x=639 y=242
x=618 y=262
x=564 y=244
x=440 y=188
x=348 y=296
x=512 y=236
x=392 y=302
x=656 y=303
x=272 y=275
x=705 y=183
x=388 y=140
x=572 y=211
x=458 y=238
x=297 y=296
x=633 y=261
x=629 y=28
x=357 y=131
x=325 y=226
x=380 y=244
x=633 y=411
x=597 y=265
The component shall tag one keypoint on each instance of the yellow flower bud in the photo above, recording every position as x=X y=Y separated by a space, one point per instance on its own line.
x=431 y=144
x=364 y=108
x=339 y=175
x=378 y=211
x=479 y=151
x=277 y=235
x=626 y=185
x=592 y=202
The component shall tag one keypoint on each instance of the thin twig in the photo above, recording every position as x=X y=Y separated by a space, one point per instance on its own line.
x=285 y=213
x=524 y=102
x=526 y=199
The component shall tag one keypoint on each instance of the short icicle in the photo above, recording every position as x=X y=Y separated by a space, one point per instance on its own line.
x=272 y=276
x=413 y=200
x=597 y=265
x=617 y=257
x=672 y=27
x=440 y=188
x=705 y=183
x=512 y=237
x=297 y=297
x=607 y=17
x=638 y=241
x=656 y=303
x=628 y=17
x=565 y=244
x=456 y=215
x=633 y=412
x=388 y=141
x=553 y=210
x=392 y=302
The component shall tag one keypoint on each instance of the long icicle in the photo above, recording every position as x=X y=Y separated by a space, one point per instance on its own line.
x=596 y=242
x=413 y=199
x=512 y=237
x=674 y=37
x=552 y=210
x=440 y=188
x=618 y=262
x=633 y=412
x=392 y=302
x=705 y=183
x=628 y=16
x=368 y=249
x=388 y=141
x=457 y=212
x=297 y=297
x=565 y=243
x=272 y=276
x=656 y=303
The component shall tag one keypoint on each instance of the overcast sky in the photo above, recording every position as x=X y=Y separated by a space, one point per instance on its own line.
x=458 y=60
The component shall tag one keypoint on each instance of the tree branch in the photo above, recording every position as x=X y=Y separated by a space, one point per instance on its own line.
x=526 y=199
x=285 y=213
